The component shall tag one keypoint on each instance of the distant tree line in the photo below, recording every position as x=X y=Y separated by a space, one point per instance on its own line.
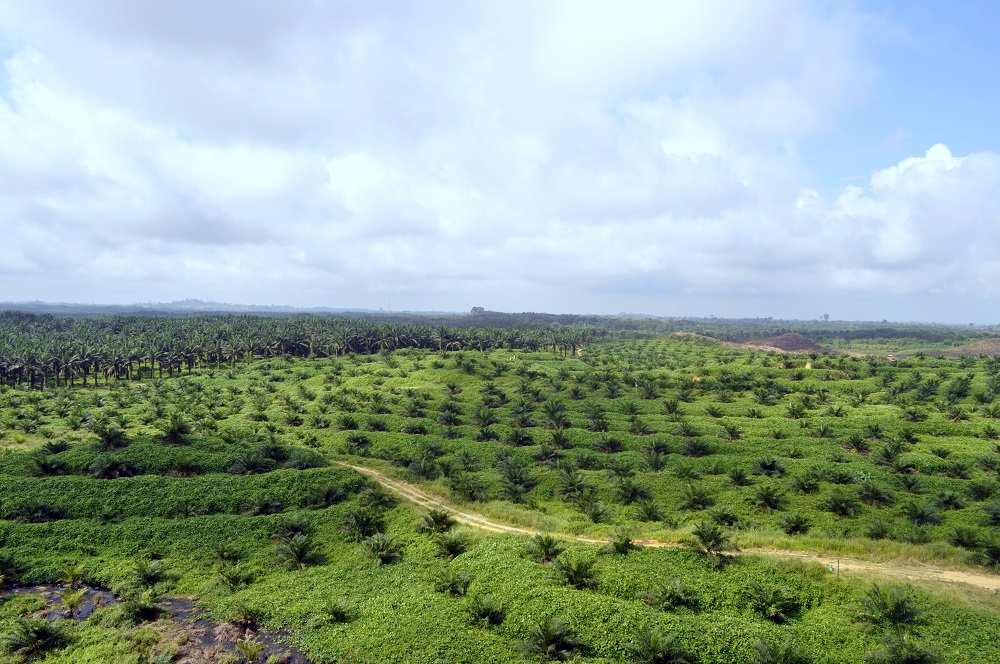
x=43 y=350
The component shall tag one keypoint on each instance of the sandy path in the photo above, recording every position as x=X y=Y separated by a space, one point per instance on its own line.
x=910 y=571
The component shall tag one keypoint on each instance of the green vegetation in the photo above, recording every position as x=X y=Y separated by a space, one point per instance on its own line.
x=203 y=464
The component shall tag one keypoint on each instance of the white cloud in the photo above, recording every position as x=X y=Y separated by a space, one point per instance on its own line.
x=560 y=156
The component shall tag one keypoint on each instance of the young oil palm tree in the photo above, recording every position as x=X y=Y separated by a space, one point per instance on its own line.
x=652 y=646
x=774 y=652
x=552 y=639
x=902 y=648
x=250 y=649
x=452 y=581
x=381 y=548
x=889 y=607
x=544 y=548
x=72 y=600
x=30 y=638
x=296 y=552
x=73 y=575
x=435 y=521
x=711 y=540
x=450 y=545
x=575 y=571
x=486 y=611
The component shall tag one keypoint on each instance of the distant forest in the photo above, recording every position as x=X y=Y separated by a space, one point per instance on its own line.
x=41 y=349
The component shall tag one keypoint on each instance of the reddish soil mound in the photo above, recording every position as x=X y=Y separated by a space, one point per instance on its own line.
x=786 y=343
x=981 y=347
x=795 y=343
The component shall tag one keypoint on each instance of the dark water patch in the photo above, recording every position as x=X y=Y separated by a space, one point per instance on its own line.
x=200 y=639
x=93 y=599
x=204 y=636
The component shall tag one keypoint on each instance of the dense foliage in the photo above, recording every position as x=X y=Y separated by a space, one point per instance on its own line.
x=218 y=481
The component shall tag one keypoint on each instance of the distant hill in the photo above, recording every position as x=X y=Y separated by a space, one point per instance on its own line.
x=179 y=307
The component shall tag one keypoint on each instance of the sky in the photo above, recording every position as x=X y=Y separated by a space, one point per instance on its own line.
x=775 y=158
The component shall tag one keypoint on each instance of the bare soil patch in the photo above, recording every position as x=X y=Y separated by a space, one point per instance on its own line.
x=989 y=347
x=790 y=342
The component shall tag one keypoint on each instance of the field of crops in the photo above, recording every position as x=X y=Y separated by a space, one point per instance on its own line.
x=218 y=483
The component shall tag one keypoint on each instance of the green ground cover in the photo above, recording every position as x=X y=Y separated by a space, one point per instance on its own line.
x=219 y=479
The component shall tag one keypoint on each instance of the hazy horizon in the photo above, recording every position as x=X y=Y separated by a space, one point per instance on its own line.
x=777 y=159
x=197 y=305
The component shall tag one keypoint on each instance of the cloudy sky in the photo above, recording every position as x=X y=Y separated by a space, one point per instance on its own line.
x=731 y=158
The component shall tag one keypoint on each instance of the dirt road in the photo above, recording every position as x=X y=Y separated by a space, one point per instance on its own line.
x=911 y=571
